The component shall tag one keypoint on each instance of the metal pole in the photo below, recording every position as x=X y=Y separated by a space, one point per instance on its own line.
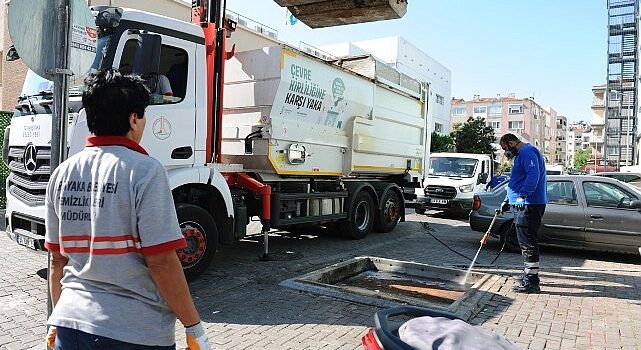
x=60 y=96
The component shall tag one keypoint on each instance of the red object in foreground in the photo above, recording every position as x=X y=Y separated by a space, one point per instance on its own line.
x=476 y=203
x=370 y=342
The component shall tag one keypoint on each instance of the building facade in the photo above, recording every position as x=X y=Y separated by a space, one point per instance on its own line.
x=560 y=136
x=622 y=84
x=412 y=61
x=520 y=116
x=598 y=123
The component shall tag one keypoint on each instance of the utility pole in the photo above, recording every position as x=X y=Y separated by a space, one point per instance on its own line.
x=60 y=96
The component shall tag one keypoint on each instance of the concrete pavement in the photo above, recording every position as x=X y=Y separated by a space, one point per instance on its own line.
x=588 y=301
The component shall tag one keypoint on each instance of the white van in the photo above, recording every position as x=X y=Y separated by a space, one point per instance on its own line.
x=452 y=179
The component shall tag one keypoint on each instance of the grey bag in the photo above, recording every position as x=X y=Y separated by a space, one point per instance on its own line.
x=432 y=333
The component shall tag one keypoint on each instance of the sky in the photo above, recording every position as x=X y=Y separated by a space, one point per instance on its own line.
x=552 y=50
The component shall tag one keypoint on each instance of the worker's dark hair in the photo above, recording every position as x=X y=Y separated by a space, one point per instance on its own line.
x=507 y=138
x=110 y=98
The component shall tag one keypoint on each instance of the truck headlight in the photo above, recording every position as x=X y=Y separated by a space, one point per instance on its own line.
x=466 y=188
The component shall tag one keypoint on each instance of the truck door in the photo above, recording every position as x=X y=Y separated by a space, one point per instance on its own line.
x=170 y=130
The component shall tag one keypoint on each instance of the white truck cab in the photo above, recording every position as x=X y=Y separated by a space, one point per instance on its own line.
x=452 y=179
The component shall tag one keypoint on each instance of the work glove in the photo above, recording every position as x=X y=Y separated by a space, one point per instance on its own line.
x=51 y=337
x=196 y=338
x=520 y=203
x=505 y=207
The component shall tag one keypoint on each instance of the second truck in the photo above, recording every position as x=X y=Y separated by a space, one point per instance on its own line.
x=269 y=132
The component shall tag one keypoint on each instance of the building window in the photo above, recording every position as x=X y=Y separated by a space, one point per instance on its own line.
x=458 y=110
x=494 y=109
x=438 y=127
x=495 y=124
x=480 y=109
x=515 y=125
x=515 y=109
x=440 y=99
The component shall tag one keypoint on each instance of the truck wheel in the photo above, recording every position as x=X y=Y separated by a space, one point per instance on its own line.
x=390 y=214
x=508 y=235
x=201 y=234
x=360 y=217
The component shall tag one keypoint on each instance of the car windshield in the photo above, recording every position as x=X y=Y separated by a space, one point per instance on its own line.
x=452 y=166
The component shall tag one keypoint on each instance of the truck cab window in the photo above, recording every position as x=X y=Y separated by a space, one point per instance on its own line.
x=170 y=84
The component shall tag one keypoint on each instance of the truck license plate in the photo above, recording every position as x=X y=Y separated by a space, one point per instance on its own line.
x=439 y=201
x=26 y=241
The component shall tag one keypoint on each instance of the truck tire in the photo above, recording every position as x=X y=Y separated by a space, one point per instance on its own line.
x=390 y=213
x=508 y=237
x=201 y=234
x=360 y=219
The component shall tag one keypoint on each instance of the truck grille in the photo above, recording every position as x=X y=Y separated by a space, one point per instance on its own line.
x=29 y=184
x=435 y=191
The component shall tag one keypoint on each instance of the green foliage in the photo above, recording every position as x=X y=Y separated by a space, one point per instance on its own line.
x=581 y=157
x=504 y=168
x=5 y=119
x=441 y=143
x=474 y=136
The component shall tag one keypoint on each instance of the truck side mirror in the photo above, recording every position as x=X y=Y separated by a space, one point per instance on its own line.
x=483 y=178
x=636 y=204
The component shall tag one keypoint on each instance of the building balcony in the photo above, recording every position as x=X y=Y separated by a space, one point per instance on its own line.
x=598 y=103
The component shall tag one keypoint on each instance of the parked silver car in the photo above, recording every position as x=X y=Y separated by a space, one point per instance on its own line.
x=585 y=212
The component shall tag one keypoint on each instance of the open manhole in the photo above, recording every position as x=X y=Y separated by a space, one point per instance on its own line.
x=385 y=282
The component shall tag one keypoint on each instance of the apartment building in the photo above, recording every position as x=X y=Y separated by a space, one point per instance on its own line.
x=412 y=61
x=559 y=153
x=510 y=114
x=598 y=123
x=621 y=141
x=579 y=137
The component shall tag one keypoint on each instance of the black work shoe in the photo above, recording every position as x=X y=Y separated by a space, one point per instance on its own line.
x=526 y=287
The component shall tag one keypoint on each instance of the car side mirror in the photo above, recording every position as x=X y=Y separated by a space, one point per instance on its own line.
x=483 y=178
x=636 y=204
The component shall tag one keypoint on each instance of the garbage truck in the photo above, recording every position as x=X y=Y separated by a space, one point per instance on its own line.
x=269 y=132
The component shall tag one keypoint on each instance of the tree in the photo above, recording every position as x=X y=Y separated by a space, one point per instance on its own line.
x=504 y=168
x=474 y=136
x=581 y=157
x=441 y=143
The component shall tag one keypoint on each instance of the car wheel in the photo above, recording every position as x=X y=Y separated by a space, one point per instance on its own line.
x=508 y=237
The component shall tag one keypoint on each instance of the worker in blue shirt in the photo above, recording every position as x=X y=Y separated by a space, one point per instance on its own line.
x=526 y=197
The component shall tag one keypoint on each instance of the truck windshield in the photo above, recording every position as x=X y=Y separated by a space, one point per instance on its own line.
x=452 y=166
x=35 y=85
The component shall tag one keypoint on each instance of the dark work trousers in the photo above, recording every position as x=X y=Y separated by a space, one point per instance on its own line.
x=527 y=222
x=71 y=339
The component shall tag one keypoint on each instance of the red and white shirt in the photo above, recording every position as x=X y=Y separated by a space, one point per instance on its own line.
x=106 y=207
